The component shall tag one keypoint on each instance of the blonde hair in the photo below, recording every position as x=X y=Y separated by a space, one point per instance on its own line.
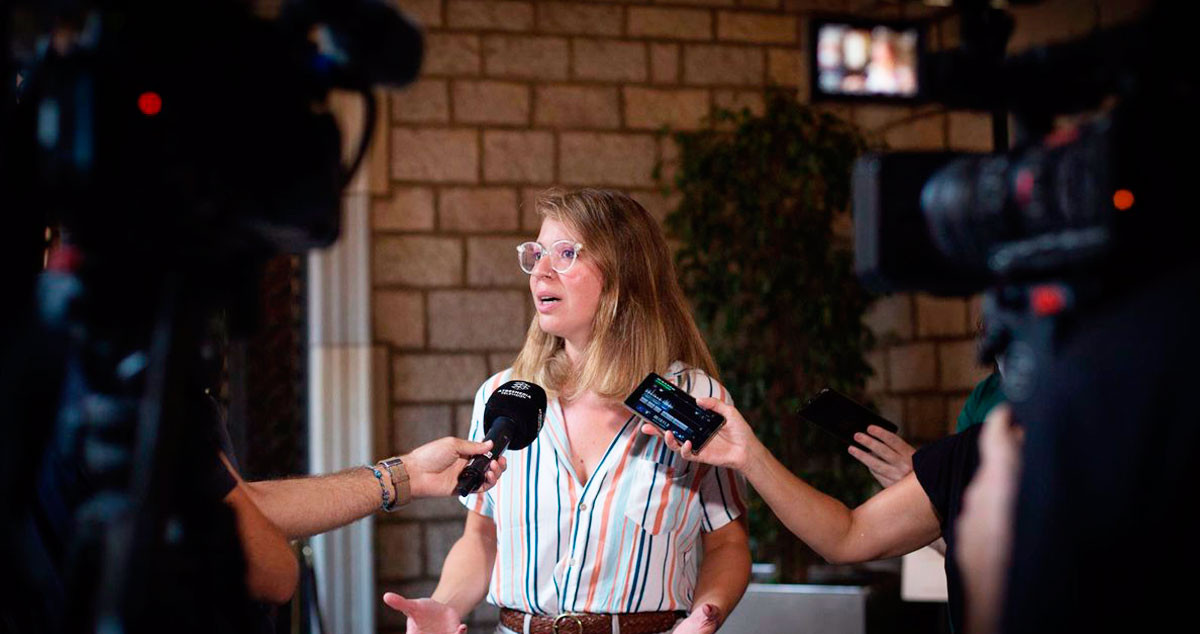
x=642 y=323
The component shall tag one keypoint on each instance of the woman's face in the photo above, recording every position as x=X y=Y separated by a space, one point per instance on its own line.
x=565 y=302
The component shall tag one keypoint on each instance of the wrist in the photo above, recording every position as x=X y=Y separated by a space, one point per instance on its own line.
x=417 y=487
x=397 y=472
x=753 y=460
x=448 y=601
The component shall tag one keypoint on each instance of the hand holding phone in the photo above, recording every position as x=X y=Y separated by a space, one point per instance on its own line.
x=674 y=411
x=840 y=416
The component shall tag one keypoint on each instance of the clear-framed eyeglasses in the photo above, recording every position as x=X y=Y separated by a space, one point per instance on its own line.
x=563 y=254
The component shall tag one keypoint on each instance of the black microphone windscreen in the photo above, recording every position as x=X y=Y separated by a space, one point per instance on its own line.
x=522 y=402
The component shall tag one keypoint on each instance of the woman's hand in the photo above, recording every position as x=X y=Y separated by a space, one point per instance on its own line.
x=426 y=616
x=732 y=446
x=703 y=620
x=889 y=458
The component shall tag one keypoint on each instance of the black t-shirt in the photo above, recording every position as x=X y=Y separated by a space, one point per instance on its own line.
x=217 y=481
x=944 y=469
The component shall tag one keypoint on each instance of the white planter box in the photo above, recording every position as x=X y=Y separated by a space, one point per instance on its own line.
x=811 y=609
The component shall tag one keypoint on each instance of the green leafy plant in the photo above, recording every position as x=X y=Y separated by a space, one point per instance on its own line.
x=773 y=289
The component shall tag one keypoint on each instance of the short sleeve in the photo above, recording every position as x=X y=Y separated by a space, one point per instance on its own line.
x=482 y=503
x=943 y=468
x=964 y=416
x=215 y=479
x=722 y=491
x=722 y=497
x=932 y=464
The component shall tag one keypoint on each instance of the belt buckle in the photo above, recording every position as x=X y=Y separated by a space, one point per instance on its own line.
x=561 y=618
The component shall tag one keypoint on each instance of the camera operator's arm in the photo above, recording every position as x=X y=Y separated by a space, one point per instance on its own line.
x=307 y=506
x=271 y=568
x=898 y=520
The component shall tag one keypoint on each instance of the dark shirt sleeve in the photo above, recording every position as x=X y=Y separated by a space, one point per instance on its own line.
x=933 y=464
x=945 y=467
x=215 y=479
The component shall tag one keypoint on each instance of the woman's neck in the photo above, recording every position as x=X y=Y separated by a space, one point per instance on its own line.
x=575 y=350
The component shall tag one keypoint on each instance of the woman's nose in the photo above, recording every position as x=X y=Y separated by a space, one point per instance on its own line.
x=542 y=267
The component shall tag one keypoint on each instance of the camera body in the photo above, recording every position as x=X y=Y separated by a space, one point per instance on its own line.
x=194 y=129
x=176 y=146
x=1064 y=200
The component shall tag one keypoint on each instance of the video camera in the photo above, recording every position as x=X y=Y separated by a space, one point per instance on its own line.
x=956 y=223
x=1040 y=222
x=201 y=127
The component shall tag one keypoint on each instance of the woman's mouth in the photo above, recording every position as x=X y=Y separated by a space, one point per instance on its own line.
x=546 y=302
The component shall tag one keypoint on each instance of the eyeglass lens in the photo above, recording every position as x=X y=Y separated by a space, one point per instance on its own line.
x=562 y=255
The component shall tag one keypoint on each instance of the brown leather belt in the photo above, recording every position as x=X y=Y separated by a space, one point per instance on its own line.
x=568 y=623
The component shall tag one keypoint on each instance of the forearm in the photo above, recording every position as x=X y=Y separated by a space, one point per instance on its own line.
x=461 y=585
x=822 y=522
x=896 y=521
x=723 y=577
x=301 y=507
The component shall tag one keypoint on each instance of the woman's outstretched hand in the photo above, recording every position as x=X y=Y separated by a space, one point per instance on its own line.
x=732 y=446
x=426 y=616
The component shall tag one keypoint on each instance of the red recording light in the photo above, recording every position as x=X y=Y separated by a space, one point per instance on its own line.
x=149 y=103
x=1123 y=199
x=1048 y=300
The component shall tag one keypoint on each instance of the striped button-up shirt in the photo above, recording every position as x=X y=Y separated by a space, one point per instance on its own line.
x=628 y=540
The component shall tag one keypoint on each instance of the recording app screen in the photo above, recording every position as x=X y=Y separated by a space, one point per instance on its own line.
x=878 y=61
x=661 y=403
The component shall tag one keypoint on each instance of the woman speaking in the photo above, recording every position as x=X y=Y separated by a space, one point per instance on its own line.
x=598 y=528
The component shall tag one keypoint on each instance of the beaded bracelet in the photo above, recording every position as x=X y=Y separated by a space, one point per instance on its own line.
x=388 y=504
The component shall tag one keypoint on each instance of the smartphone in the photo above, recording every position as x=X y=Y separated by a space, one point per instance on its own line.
x=674 y=411
x=842 y=416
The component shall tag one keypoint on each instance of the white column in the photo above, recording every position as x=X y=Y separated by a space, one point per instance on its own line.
x=340 y=395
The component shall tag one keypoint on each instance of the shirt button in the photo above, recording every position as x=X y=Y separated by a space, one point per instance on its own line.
x=570 y=561
x=583 y=506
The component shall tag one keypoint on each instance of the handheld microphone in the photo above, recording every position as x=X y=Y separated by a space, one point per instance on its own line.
x=512 y=419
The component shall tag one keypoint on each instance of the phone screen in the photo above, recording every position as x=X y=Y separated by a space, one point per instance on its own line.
x=842 y=416
x=673 y=410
